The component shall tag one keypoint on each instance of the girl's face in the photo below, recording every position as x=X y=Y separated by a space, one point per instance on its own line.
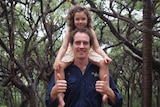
x=80 y=19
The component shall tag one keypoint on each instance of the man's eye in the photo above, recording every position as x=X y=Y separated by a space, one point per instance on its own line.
x=77 y=43
x=85 y=43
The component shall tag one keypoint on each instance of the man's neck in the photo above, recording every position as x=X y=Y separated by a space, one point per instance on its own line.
x=81 y=63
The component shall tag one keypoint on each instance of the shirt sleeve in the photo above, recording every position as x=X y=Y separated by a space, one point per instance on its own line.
x=119 y=99
x=48 y=101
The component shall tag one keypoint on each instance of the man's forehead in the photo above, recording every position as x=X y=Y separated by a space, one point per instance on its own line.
x=81 y=36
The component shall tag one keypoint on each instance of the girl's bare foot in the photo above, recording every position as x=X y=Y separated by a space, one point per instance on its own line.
x=105 y=99
x=60 y=99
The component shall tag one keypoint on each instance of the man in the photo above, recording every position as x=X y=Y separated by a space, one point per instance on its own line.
x=82 y=87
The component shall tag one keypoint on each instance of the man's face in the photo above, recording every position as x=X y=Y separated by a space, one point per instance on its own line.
x=81 y=45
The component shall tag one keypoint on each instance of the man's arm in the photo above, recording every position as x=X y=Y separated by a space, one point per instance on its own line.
x=49 y=102
x=118 y=96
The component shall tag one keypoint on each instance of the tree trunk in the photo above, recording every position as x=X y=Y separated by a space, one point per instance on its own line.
x=158 y=99
x=32 y=98
x=147 y=56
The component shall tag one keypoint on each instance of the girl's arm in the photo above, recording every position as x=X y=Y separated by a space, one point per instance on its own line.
x=98 y=49
x=62 y=49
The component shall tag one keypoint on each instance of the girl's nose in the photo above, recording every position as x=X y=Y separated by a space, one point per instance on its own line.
x=80 y=21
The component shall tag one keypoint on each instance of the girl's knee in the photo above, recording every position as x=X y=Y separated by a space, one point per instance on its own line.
x=64 y=65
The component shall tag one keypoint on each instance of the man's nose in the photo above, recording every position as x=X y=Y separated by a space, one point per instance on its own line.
x=81 y=45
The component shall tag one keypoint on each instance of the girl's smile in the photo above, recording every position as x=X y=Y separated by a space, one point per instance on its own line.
x=80 y=19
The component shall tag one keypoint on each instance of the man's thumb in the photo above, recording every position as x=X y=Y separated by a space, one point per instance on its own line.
x=58 y=76
x=105 y=77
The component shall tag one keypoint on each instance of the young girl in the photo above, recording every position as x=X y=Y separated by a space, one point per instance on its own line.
x=79 y=17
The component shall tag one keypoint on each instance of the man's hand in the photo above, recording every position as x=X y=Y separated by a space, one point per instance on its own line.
x=104 y=88
x=59 y=87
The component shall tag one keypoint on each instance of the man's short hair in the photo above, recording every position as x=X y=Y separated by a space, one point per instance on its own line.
x=82 y=30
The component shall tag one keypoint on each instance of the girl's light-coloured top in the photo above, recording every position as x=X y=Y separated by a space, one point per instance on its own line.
x=69 y=55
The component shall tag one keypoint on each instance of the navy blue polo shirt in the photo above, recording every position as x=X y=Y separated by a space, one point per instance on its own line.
x=81 y=90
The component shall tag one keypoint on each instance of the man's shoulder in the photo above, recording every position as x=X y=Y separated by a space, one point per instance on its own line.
x=92 y=65
x=89 y=65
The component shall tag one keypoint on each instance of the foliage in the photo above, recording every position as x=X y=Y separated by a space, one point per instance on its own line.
x=38 y=28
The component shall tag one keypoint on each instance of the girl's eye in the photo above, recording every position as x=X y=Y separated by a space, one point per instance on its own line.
x=83 y=18
x=77 y=19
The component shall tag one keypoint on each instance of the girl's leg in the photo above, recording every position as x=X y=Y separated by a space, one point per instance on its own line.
x=60 y=96
x=103 y=70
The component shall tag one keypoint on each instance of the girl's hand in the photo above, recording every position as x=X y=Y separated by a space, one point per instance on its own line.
x=56 y=65
x=107 y=60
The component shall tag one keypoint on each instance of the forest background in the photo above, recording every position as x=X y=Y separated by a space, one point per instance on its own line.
x=31 y=33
